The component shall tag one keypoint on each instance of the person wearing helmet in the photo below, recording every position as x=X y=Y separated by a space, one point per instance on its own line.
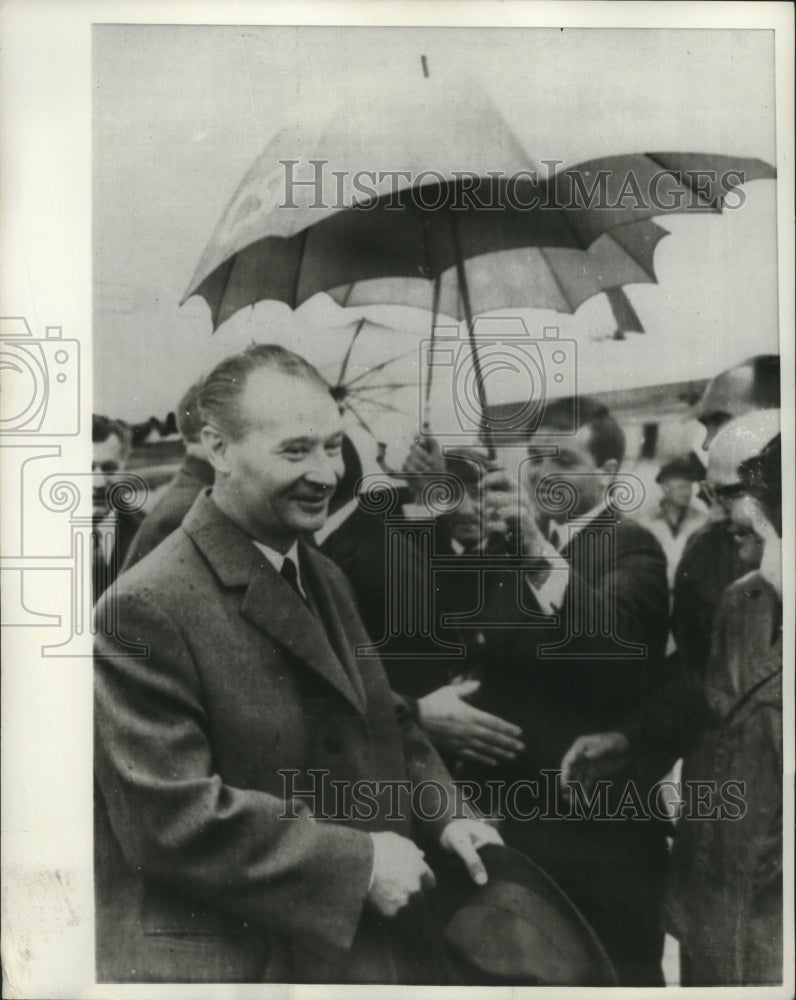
x=715 y=555
x=659 y=733
x=751 y=385
x=685 y=719
x=676 y=518
x=725 y=888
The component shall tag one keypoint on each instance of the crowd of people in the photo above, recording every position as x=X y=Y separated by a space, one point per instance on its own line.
x=595 y=651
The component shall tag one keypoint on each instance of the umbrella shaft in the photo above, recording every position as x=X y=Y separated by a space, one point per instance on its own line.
x=464 y=291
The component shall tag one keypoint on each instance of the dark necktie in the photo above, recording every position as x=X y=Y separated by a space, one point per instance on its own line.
x=290 y=573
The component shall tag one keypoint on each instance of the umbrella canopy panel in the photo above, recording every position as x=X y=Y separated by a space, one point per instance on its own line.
x=422 y=231
x=545 y=278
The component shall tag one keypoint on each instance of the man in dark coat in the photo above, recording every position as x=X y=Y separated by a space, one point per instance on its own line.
x=595 y=603
x=724 y=899
x=662 y=728
x=260 y=791
x=435 y=688
x=191 y=478
x=114 y=529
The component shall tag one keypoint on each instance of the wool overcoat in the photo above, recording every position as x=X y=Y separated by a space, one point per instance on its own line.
x=208 y=864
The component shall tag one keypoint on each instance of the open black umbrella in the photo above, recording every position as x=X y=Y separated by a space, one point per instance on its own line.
x=426 y=185
x=540 y=277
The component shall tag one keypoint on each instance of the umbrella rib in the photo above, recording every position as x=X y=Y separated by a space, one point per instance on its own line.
x=657 y=231
x=568 y=224
x=227 y=276
x=365 y=393
x=383 y=385
x=682 y=177
x=384 y=406
x=425 y=228
x=360 y=421
x=302 y=247
x=554 y=276
x=378 y=368
x=347 y=357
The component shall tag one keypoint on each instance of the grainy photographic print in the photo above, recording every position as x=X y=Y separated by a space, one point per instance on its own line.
x=413 y=614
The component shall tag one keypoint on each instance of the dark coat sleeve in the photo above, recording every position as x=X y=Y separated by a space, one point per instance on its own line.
x=440 y=801
x=665 y=725
x=668 y=723
x=179 y=823
x=565 y=678
x=166 y=516
x=634 y=590
x=631 y=593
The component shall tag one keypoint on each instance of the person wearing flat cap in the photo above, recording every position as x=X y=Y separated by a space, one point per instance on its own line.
x=677 y=517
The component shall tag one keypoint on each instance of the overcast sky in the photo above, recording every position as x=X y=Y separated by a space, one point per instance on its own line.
x=181 y=112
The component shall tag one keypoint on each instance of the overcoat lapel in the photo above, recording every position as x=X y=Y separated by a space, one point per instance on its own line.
x=269 y=602
x=329 y=610
x=605 y=520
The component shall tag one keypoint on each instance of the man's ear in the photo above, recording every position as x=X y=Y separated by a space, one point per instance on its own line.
x=215 y=446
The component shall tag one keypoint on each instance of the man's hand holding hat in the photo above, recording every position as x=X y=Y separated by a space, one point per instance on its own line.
x=465 y=837
x=399 y=873
x=400 y=870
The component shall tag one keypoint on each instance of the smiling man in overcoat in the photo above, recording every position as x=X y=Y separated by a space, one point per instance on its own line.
x=217 y=856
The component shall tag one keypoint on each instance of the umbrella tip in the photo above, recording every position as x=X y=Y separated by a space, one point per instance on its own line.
x=424 y=64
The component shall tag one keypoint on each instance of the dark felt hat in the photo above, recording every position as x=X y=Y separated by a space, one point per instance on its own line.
x=519 y=929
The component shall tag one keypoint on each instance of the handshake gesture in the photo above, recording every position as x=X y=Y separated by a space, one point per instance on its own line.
x=400 y=870
x=594 y=758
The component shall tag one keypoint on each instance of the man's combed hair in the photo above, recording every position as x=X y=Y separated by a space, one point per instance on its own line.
x=219 y=393
x=103 y=427
x=189 y=419
x=607 y=439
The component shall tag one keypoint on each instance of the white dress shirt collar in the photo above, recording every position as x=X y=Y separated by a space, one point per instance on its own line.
x=568 y=530
x=276 y=559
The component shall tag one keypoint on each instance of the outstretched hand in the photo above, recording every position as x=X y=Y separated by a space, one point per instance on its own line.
x=592 y=758
x=464 y=730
